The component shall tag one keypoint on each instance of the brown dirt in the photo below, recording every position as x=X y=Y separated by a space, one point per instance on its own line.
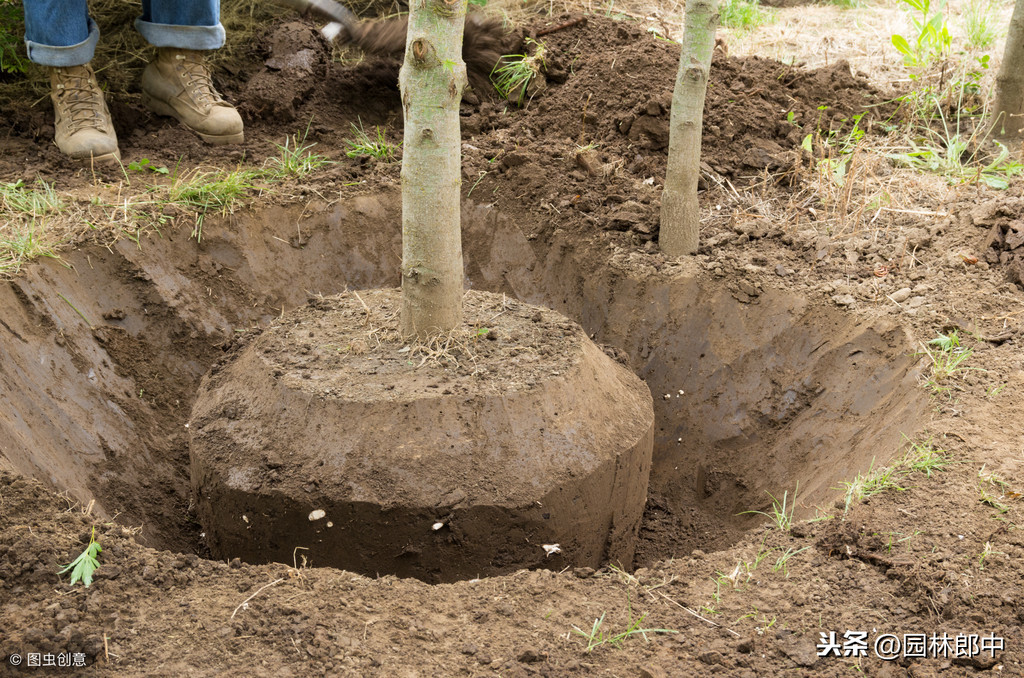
x=793 y=355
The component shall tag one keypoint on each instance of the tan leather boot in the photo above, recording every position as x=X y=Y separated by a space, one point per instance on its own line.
x=177 y=84
x=82 y=120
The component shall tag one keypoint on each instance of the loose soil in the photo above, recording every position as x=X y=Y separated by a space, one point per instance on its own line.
x=787 y=350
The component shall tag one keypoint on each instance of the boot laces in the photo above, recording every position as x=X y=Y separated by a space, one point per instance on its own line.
x=81 y=100
x=197 y=79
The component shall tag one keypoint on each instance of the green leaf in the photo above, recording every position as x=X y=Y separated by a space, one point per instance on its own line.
x=87 y=562
x=806 y=144
x=996 y=182
x=900 y=43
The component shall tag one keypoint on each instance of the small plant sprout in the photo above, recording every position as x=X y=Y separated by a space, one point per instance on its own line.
x=932 y=40
x=986 y=553
x=781 y=513
x=865 y=485
x=947 y=358
x=781 y=563
x=87 y=562
x=146 y=164
x=597 y=635
x=512 y=74
x=365 y=146
x=296 y=157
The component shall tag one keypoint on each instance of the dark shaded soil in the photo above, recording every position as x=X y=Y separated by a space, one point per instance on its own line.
x=942 y=554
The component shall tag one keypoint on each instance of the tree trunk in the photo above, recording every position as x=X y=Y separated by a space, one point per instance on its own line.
x=1008 y=111
x=432 y=79
x=680 y=213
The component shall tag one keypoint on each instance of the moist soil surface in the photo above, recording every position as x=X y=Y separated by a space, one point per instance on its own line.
x=579 y=170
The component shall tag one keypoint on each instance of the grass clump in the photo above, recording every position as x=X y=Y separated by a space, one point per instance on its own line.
x=376 y=146
x=979 y=21
x=947 y=358
x=512 y=74
x=920 y=457
x=781 y=512
x=744 y=15
x=32 y=202
x=598 y=636
x=20 y=243
x=213 y=191
x=296 y=158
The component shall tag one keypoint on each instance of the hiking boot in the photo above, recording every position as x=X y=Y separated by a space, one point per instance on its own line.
x=82 y=127
x=177 y=84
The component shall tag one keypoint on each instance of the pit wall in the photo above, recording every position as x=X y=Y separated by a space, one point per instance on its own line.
x=104 y=350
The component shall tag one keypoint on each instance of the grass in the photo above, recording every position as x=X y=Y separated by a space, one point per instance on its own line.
x=23 y=233
x=33 y=202
x=948 y=132
x=743 y=15
x=781 y=513
x=11 y=29
x=376 y=146
x=874 y=481
x=35 y=220
x=920 y=457
x=979 y=19
x=296 y=158
x=781 y=563
x=21 y=243
x=598 y=636
x=512 y=74
x=947 y=358
x=211 y=191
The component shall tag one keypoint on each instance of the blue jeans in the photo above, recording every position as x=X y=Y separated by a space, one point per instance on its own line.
x=61 y=33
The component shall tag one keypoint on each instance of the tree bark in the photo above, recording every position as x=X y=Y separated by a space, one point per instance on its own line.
x=431 y=81
x=680 y=213
x=1008 y=111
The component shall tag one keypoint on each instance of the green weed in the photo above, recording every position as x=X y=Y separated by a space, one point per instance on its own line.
x=213 y=191
x=781 y=514
x=979 y=20
x=597 y=635
x=512 y=74
x=87 y=562
x=374 y=147
x=744 y=15
x=32 y=202
x=947 y=361
x=146 y=164
x=296 y=158
x=874 y=481
x=932 y=41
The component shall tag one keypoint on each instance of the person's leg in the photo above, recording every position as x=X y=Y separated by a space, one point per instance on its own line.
x=177 y=83
x=59 y=32
x=185 y=24
x=60 y=35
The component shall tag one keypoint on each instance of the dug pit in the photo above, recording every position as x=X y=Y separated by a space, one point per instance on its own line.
x=755 y=388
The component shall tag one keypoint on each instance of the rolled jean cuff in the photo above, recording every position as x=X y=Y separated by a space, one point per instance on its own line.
x=71 y=55
x=181 y=37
